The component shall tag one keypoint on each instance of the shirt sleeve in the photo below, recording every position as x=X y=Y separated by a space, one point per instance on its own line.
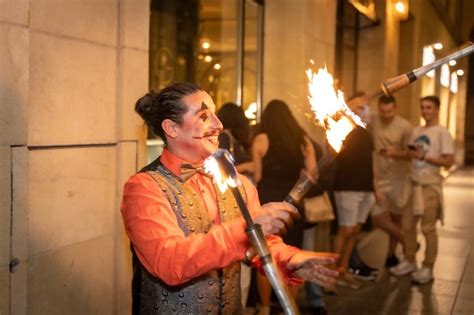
x=161 y=245
x=447 y=142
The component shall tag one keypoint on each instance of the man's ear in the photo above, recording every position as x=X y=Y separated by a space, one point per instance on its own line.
x=170 y=128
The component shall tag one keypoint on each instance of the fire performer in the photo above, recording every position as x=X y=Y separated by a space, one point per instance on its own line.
x=431 y=148
x=188 y=238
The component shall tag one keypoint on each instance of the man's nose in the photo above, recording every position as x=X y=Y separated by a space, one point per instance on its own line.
x=216 y=123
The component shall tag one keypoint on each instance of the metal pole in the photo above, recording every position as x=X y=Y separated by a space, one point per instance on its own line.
x=257 y=239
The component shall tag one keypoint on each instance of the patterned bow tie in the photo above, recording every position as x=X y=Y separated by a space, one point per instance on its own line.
x=187 y=170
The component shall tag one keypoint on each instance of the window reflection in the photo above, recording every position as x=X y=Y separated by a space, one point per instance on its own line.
x=195 y=41
x=198 y=41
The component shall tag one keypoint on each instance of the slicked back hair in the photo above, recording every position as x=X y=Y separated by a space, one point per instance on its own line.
x=155 y=107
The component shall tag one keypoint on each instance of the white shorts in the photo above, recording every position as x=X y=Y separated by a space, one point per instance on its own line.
x=353 y=206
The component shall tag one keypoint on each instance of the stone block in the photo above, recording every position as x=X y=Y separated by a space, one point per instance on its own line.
x=19 y=289
x=322 y=54
x=90 y=20
x=72 y=92
x=71 y=196
x=5 y=204
x=19 y=248
x=4 y=290
x=14 y=63
x=127 y=166
x=285 y=63
x=135 y=23
x=323 y=27
x=15 y=11
x=134 y=84
x=76 y=279
x=284 y=18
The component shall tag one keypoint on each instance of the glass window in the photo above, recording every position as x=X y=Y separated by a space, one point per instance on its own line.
x=250 y=69
x=201 y=41
x=195 y=41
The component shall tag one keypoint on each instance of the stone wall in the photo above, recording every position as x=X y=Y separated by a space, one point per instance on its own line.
x=294 y=34
x=71 y=72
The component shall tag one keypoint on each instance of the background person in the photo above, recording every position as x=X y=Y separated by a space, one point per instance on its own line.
x=432 y=147
x=280 y=153
x=391 y=134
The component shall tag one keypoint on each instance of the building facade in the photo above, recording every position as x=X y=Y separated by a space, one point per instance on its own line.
x=69 y=138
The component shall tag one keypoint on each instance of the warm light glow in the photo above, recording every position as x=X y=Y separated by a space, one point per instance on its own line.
x=453 y=87
x=452 y=63
x=444 y=76
x=251 y=111
x=460 y=72
x=211 y=166
x=438 y=46
x=206 y=45
x=207 y=58
x=428 y=57
x=330 y=109
x=400 y=7
x=311 y=61
x=217 y=66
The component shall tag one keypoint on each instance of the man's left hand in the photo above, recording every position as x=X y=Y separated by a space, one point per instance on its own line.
x=309 y=266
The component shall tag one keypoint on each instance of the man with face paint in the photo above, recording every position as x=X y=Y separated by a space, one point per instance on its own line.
x=187 y=237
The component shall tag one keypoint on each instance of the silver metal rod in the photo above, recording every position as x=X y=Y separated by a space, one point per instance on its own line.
x=394 y=84
x=465 y=50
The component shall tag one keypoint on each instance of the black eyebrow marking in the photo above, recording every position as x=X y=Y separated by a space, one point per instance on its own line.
x=204 y=107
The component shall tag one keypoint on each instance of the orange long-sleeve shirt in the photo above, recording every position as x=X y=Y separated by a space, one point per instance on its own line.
x=161 y=245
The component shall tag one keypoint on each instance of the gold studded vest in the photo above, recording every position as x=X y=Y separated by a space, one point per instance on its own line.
x=216 y=292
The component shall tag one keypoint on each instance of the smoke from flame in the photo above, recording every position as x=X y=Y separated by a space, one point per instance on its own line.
x=329 y=108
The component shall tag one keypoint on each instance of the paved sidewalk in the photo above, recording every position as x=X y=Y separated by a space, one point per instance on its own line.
x=452 y=291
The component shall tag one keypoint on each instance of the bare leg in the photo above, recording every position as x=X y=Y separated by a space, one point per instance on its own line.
x=383 y=221
x=341 y=242
x=349 y=247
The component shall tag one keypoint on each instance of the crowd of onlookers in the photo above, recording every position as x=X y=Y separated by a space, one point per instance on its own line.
x=388 y=172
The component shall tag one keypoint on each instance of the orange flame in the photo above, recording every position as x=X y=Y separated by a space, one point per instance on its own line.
x=330 y=109
x=223 y=181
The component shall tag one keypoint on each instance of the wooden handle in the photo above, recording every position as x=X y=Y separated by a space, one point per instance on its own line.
x=394 y=84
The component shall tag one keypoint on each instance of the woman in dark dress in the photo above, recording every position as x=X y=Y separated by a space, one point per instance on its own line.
x=280 y=153
x=235 y=136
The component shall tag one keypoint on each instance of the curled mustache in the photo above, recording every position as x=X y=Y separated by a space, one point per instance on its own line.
x=208 y=134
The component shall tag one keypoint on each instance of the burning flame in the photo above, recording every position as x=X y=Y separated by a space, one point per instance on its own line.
x=330 y=109
x=223 y=181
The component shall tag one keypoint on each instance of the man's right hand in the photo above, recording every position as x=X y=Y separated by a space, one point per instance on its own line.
x=276 y=217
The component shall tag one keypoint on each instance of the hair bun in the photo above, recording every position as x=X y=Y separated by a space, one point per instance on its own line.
x=144 y=107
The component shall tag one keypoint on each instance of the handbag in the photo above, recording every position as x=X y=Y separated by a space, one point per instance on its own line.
x=318 y=209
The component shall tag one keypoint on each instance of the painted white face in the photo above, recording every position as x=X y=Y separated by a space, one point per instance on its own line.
x=197 y=135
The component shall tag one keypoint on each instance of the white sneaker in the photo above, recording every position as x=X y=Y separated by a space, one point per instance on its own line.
x=422 y=275
x=403 y=268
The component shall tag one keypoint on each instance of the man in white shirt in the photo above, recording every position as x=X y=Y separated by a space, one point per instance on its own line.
x=431 y=147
